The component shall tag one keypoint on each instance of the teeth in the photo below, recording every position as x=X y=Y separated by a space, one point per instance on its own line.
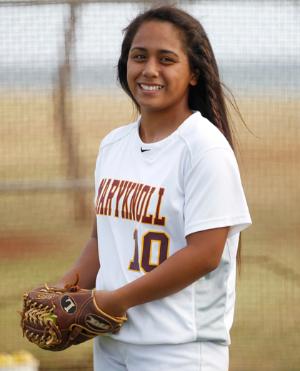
x=151 y=87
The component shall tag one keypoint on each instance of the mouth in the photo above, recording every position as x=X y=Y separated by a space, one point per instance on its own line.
x=150 y=87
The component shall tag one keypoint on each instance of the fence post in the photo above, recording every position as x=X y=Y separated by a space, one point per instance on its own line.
x=63 y=114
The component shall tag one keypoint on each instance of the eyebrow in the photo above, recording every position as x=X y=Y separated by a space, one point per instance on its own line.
x=163 y=51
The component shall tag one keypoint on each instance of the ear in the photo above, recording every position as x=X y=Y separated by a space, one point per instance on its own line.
x=194 y=79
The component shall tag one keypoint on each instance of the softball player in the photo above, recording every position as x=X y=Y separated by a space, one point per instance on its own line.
x=169 y=206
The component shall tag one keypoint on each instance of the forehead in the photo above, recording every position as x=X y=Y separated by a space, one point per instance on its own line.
x=158 y=35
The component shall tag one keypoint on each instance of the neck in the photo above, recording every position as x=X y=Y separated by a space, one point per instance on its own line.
x=156 y=126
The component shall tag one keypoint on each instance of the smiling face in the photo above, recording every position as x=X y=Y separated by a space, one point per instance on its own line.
x=158 y=71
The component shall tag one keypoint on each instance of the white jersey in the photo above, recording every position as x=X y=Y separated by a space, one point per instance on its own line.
x=149 y=197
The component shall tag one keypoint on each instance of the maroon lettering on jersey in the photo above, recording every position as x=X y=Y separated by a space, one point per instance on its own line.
x=159 y=220
x=134 y=200
x=140 y=204
x=111 y=193
x=126 y=214
x=148 y=218
x=122 y=187
x=100 y=190
x=100 y=205
x=102 y=208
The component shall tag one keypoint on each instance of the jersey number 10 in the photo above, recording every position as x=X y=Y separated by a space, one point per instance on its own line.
x=145 y=261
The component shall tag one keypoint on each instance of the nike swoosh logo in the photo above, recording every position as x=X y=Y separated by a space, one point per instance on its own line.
x=145 y=149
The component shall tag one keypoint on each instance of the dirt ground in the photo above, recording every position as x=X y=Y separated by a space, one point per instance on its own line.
x=16 y=247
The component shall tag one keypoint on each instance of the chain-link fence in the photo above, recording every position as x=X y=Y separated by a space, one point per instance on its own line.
x=58 y=98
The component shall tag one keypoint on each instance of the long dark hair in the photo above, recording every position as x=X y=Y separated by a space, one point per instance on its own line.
x=207 y=96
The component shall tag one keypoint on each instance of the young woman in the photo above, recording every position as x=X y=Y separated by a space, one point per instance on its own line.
x=169 y=206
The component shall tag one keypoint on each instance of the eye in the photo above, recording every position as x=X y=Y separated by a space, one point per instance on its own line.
x=138 y=57
x=167 y=60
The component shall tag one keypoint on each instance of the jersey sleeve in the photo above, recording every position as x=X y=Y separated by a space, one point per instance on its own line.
x=214 y=195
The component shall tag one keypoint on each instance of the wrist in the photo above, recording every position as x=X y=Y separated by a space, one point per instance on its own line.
x=110 y=303
x=121 y=299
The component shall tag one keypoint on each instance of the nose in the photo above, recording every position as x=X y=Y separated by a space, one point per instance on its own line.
x=151 y=68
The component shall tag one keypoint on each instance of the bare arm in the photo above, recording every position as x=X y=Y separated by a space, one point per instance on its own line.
x=86 y=266
x=201 y=255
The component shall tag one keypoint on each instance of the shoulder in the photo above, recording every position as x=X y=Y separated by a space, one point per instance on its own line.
x=201 y=136
x=118 y=134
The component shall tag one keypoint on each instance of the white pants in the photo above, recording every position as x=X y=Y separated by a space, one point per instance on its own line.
x=113 y=355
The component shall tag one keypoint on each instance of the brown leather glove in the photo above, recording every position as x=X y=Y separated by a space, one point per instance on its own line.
x=54 y=318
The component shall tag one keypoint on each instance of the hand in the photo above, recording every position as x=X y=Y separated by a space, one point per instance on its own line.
x=110 y=303
x=55 y=319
